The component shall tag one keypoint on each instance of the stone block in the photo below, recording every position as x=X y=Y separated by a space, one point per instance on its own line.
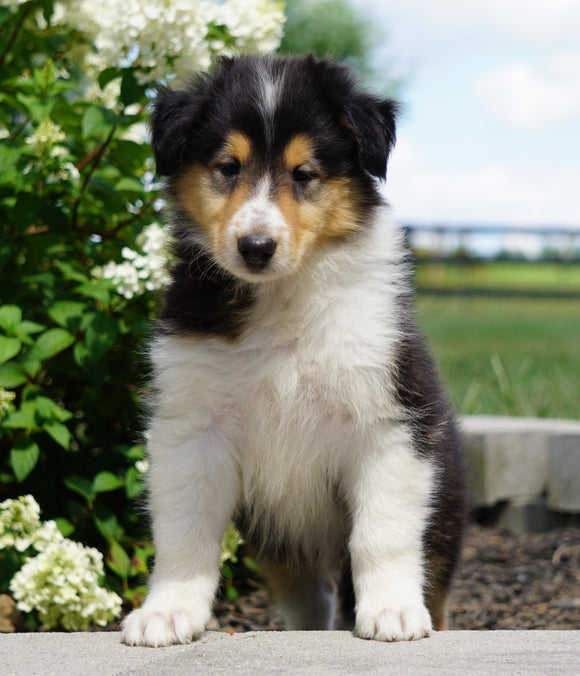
x=505 y=464
x=528 y=515
x=563 y=469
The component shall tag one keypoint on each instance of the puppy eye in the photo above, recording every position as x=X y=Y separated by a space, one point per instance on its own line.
x=300 y=175
x=230 y=169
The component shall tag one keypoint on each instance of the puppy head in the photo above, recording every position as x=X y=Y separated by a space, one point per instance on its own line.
x=269 y=160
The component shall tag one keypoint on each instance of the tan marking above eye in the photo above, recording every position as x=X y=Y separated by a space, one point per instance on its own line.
x=237 y=146
x=300 y=150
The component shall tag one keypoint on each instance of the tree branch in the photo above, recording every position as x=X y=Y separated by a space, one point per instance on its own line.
x=21 y=19
x=94 y=157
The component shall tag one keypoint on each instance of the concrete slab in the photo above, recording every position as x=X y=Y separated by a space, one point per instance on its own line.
x=482 y=424
x=564 y=473
x=504 y=465
x=528 y=515
x=332 y=652
x=522 y=458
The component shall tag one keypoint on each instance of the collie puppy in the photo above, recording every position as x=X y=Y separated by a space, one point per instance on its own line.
x=294 y=394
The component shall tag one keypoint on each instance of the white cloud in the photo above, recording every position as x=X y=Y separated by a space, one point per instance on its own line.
x=421 y=32
x=500 y=193
x=522 y=96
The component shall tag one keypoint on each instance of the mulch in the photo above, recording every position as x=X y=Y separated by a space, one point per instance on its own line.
x=505 y=581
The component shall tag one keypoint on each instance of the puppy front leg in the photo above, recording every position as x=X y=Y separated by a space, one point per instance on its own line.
x=193 y=486
x=389 y=496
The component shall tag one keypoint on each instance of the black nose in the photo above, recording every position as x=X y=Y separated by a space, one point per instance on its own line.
x=256 y=250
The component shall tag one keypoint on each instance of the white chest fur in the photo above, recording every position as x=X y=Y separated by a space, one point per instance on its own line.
x=299 y=394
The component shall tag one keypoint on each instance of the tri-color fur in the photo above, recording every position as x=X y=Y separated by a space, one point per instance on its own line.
x=294 y=393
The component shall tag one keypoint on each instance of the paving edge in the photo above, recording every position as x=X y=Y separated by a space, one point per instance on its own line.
x=527 y=470
x=336 y=652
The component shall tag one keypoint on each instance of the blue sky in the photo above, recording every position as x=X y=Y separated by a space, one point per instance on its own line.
x=491 y=129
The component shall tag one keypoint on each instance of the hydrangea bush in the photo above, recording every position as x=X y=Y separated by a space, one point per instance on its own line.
x=60 y=580
x=82 y=259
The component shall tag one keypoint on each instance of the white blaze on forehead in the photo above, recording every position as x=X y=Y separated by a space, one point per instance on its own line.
x=269 y=91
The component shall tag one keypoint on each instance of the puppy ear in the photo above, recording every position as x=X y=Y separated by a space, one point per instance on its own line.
x=373 y=122
x=172 y=121
x=370 y=119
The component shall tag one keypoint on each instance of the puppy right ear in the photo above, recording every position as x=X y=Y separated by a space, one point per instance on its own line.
x=172 y=121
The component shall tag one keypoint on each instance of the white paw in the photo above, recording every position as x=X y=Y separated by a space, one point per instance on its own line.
x=394 y=624
x=155 y=626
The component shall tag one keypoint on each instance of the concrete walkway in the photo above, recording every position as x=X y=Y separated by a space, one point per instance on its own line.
x=333 y=652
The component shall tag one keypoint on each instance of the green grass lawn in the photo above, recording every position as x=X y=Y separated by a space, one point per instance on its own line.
x=507 y=356
x=508 y=275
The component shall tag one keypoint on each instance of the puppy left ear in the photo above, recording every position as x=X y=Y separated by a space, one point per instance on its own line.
x=373 y=122
x=175 y=117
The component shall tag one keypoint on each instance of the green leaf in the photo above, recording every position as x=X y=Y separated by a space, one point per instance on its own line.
x=67 y=313
x=131 y=90
x=134 y=483
x=26 y=328
x=7 y=248
x=70 y=272
x=48 y=410
x=8 y=158
x=12 y=375
x=10 y=318
x=50 y=343
x=107 y=76
x=9 y=347
x=106 y=481
x=82 y=486
x=101 y=336
x=59 y=433
x=81 y=355
x=129 y=184
x=108 y=524
x=98 y=122
x=64 y=526
x=23 y=458
x=24 y=418
x=25 y=210
x=31 y=365
x=95 y=290
x=38 y=110
x=118 y=560
x=10 y=563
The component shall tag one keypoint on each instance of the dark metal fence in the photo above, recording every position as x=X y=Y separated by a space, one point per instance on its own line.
x=472 y=251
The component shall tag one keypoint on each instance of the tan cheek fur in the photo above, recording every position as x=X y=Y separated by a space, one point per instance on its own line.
x=333 y=215
x=209 y=208
x=201 y=197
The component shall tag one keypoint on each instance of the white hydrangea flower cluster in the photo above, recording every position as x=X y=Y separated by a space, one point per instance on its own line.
x=61 y=582
x=53 y=158
x=166 y=38
x=6 y=398
x=62 y=585
x=13 y=5
x=21 y=528
x=140 y=271
x=256 y=26
x=45 y=137
x=18 y=520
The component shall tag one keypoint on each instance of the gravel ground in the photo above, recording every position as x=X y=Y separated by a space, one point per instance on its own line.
x=505 y=581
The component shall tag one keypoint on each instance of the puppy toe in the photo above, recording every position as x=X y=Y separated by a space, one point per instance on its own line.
x=156 y=628
x=404 y=624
